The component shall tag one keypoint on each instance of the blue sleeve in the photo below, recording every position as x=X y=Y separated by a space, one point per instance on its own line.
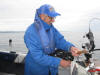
x=61 y=43
x=37 y=53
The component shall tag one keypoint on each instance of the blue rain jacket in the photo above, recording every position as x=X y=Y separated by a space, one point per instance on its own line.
x=37 y=61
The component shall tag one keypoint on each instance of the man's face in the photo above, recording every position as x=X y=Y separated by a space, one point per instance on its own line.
x=47 y=19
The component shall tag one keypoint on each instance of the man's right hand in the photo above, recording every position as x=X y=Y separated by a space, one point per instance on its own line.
x=65 y=63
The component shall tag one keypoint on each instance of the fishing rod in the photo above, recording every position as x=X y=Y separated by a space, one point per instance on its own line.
x=91 y=45
x=90 y=65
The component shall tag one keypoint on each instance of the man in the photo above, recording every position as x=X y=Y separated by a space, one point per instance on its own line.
x=41 y=39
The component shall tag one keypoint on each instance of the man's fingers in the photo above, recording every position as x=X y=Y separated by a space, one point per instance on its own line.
x=82 y=51
x=65 y=63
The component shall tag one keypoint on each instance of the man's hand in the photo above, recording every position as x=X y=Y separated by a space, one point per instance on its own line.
x=65 y=63
x=75 y=51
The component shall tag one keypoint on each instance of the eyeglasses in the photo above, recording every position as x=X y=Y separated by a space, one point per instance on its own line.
x=51 y=17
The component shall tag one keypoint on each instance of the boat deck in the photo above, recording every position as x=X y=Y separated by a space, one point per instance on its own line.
x=11 y=63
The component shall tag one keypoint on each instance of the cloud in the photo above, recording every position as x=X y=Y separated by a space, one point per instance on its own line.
x=75 y=14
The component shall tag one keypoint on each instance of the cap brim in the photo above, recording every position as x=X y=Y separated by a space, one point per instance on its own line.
x=54 y=14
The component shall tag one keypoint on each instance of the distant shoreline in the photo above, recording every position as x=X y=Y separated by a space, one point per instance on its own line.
x=12 y=31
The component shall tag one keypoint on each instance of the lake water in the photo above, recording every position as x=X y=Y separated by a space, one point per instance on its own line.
x=18 y=41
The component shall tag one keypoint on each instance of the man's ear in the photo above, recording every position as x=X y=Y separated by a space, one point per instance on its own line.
x=42 y=16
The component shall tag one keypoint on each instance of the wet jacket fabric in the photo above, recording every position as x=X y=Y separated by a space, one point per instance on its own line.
x=37 y=61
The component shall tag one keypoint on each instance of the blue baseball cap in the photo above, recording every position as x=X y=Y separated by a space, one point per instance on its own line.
x=48 y=10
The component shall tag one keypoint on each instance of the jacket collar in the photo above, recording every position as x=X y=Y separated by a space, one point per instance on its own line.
x=46 y=26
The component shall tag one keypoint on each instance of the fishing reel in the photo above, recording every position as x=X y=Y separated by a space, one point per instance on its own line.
x=89 y=46
x=63 y=54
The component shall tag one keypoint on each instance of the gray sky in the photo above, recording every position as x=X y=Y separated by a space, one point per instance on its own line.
x=17 y=15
